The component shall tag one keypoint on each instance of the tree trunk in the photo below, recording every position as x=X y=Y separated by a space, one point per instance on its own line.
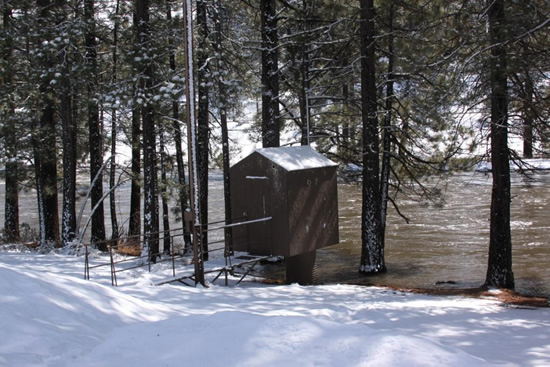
x=150 y=202
x=11 y=205
x=43 y=141
x=112 y=172
x=44 y=146
x=222 y=90
x=372 y=251
x=270 y=75
x=528 y=111
x=194 y=182
x=95 y=133
x=167 y=240
x=68 y=224
x=203 y=129
x=68 y=123
x=150 y=198
x=347 y=138
x=304 y=70
x=134 y=227
x=183 y=190
x=386 y=153
x=499 y=272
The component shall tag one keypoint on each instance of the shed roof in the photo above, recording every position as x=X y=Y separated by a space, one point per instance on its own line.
x=296 y=158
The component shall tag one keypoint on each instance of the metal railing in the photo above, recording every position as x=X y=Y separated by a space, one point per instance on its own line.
x=116 y=246
x=121 y=245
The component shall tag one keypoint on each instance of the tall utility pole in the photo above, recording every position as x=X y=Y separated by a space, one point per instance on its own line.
x=198 y=256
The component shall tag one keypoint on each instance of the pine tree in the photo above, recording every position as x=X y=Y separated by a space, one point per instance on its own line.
x=499 y=272
x=314 y=48
x=372 y=251
x=387 y=128
x=8 y=128
x=203 y=128
x=219 y=22
x=183 y=189
x=147 y=112
x=44 y=128
x=270 y=75
x=69 y=127
x=94 y=129
x=528 y=56
x=115 y=232
x=134 y=226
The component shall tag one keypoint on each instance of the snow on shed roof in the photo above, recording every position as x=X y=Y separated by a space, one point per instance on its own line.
x=296 y=158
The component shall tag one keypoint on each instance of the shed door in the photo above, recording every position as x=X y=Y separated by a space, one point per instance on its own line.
x=259 y=207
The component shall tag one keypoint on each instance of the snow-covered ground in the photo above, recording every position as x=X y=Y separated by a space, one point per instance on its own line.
x=51 y=316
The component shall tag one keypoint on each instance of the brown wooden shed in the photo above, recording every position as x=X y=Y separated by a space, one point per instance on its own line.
x=296 y=188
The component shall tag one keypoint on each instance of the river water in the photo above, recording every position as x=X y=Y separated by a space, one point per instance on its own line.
x=446 y=241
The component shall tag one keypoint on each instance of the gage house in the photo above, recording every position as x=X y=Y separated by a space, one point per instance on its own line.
x=292 y=193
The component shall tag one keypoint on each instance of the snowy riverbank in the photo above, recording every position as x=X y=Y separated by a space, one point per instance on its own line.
x=50 y=316
x=535 y=164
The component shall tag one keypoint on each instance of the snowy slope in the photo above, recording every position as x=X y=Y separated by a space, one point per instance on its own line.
x=50 y=316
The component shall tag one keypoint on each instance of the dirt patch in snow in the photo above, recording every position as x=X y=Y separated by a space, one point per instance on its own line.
x=508 y=297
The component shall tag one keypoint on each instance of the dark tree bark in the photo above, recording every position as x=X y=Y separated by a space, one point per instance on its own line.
x=372 y=251
x=194 y=182
x=183 y=190
x=95 y=133
x=529 y=114
x=114 y=119
x=222 y=91
x=11 y=205
x=304 y=71
x=167 y=240
x=134 y=227
x=68 y=223
x=150 y=198
x=203 y=128
x=150 y=202
x=270 y=75
x=499 y=272
x=43 y=142
x=347 y=142
x=68 y=122
x=44 y=145
x=387 y=133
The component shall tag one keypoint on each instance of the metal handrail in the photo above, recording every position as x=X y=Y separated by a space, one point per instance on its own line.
x=114 y=244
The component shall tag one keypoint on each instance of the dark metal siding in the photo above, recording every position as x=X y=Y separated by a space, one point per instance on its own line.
x=251 y=199
x=313 y=213
x=303 y=204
